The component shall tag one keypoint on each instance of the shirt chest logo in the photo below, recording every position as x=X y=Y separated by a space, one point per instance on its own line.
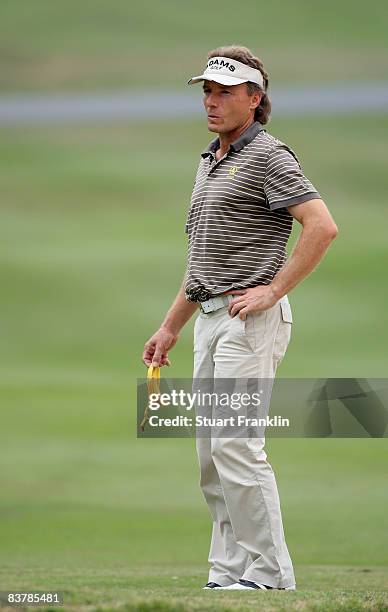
x=232 y=171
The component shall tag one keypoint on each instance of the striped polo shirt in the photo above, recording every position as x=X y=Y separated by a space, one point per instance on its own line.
x=238 y=224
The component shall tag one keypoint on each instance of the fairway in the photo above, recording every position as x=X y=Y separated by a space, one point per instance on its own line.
x=93 y=252
x=174 y=589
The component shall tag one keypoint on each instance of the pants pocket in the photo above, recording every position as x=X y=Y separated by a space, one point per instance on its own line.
x=197 y=335
x=286 y=309
x=282 y=339
x=254 y=328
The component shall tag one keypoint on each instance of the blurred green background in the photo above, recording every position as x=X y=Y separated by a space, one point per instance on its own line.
x=92 y=254
x=81 y=45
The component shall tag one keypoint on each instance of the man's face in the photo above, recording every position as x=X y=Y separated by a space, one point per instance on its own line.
x=228 y=106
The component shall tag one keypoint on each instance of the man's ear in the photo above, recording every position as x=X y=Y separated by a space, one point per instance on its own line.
x=256 y=99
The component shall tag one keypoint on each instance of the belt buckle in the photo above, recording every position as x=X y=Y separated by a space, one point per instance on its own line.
x=209 y=306
x=212 y=304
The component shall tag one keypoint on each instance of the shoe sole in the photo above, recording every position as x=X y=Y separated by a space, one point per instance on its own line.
x=246 y=588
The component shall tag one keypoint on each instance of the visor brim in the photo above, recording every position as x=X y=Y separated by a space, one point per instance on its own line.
x=222 y=79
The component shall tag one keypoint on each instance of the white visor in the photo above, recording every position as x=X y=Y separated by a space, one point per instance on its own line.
x=228 y=72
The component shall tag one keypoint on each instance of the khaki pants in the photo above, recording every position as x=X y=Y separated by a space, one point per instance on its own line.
x=236 y=479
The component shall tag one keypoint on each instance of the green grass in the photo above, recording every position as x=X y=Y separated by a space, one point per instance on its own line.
x=69 y=45
x=83 y=512
x=177 y=589
x=93 y=252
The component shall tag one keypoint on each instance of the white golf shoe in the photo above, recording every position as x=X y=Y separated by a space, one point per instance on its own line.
x=212 y=585
x=245 y=585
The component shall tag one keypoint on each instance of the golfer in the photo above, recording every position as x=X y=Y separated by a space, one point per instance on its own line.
x=248 y=190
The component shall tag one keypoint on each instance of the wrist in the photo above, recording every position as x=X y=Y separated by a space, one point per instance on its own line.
x=169 y=328
x=276 y=292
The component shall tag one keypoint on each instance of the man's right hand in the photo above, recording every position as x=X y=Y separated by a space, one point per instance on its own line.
x=156 y=348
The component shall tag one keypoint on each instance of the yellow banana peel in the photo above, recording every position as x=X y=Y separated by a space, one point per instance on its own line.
x=153 y=386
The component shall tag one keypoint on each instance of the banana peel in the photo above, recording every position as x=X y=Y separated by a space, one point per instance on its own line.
x=153 y=386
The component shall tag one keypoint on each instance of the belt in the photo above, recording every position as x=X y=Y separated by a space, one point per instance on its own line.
x=216 y=303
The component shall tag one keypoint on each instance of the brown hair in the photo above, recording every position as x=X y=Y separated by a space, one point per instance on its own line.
x=245 y=56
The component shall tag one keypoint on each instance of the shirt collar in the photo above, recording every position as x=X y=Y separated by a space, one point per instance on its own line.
x=244 y=139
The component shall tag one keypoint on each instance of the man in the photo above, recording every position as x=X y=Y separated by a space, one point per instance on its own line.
x=249 y=187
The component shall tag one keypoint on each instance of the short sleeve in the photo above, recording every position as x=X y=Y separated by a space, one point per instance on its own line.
x=284 y=183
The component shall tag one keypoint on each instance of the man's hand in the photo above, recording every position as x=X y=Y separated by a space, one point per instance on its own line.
x=254 y=299
x=156 y=348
